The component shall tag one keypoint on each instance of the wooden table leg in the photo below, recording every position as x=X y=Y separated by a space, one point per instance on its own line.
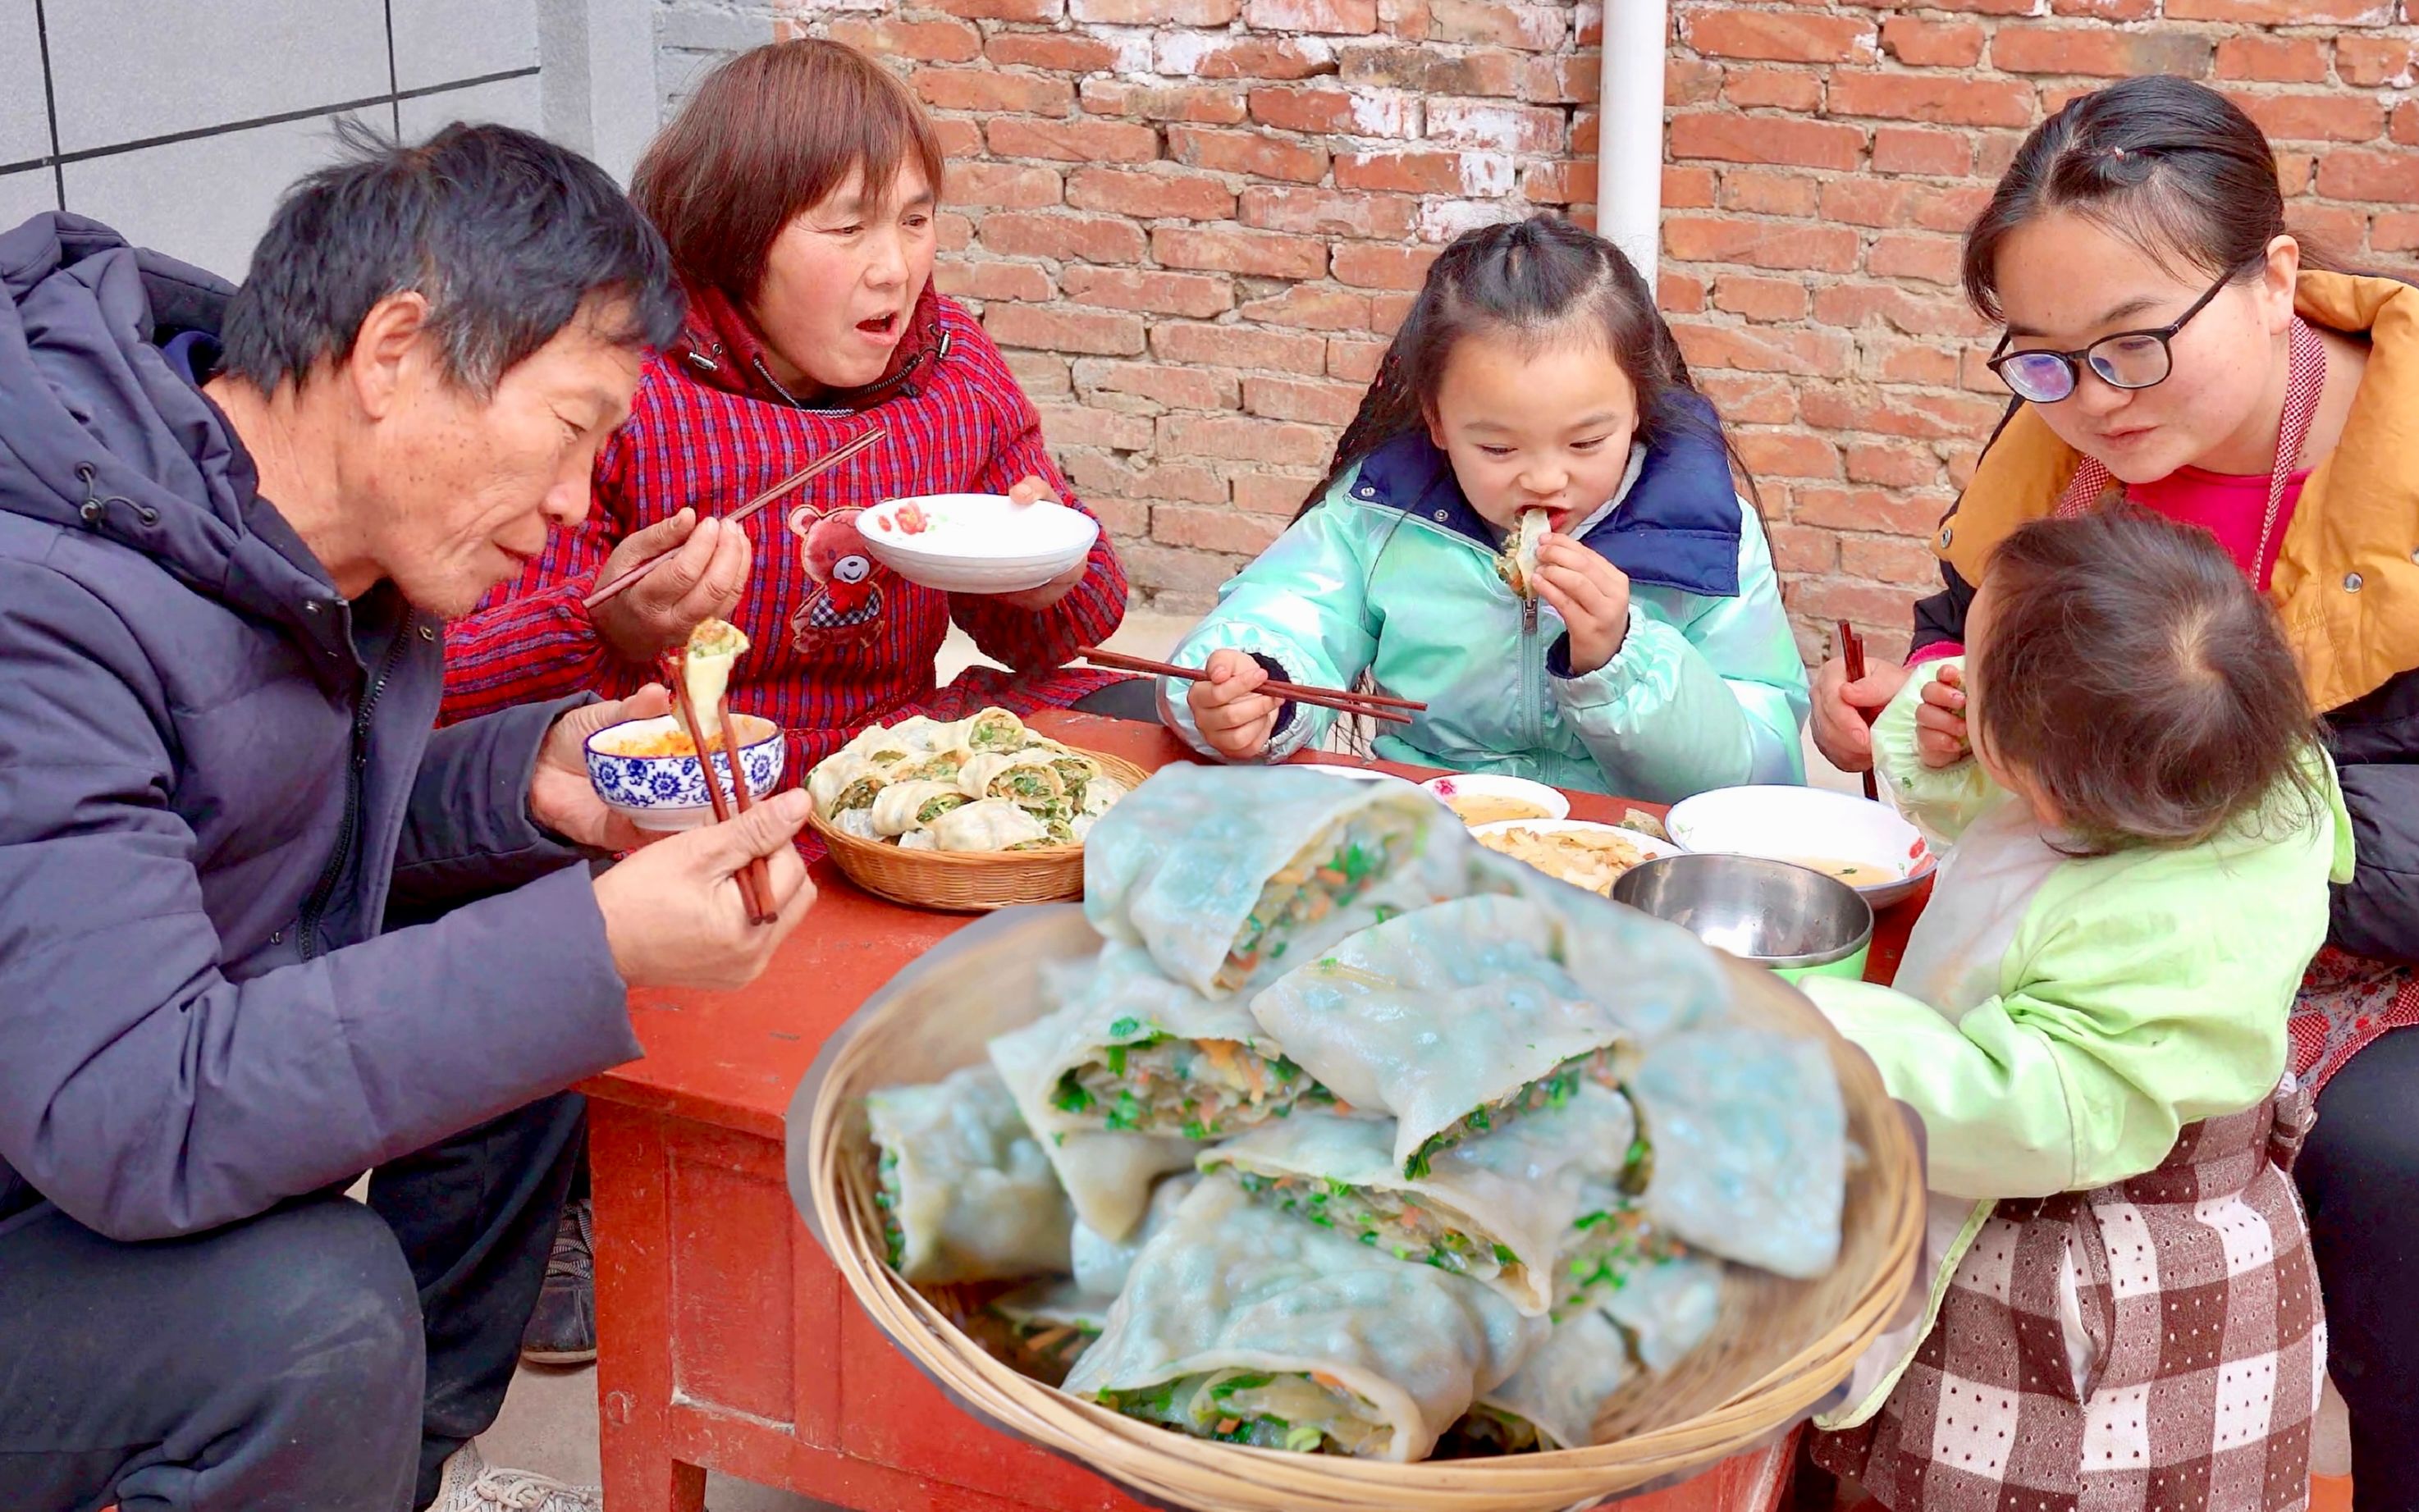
x=634 y=1336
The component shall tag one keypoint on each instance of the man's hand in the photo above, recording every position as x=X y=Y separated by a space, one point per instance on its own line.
x=1843 y=710
x=1234 y=716
x=674 y=916
x=1941 y=737
x=702 y=582
x=1034 y=600
x=1590 y=593
x=562 y=797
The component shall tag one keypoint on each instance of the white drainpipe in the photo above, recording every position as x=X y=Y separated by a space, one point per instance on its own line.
x=1629 y=149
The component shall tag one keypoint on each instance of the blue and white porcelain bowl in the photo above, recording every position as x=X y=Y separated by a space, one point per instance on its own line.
x=667 y=793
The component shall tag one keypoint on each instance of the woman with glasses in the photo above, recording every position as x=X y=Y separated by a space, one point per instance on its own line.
x=2167 y=341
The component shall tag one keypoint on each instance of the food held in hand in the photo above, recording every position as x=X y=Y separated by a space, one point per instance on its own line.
x=1518 y=565
x=714 y=646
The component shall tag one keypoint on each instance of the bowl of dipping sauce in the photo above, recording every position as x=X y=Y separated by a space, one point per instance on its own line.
x=1858 y=842
x=648 y=770
x=1483 y=798
x=1797 y=922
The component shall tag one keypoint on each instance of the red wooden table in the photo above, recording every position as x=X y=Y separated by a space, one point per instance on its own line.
x=726 y=1341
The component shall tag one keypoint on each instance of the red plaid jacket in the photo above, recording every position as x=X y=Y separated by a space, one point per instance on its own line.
x=840 y=641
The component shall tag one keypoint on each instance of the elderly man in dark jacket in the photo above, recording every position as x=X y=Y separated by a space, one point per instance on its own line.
x=232 y=524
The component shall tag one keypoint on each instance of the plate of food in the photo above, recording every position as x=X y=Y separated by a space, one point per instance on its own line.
x=1577 y=850
x=1483 y=798
x=976 y=543
x=1353 y=1225
x=965 y=813
x=1868 y=845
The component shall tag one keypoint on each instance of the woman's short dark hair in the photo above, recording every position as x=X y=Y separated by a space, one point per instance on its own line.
x=768 y=134
x=2173 y=167
x=505 y=233
x=1538 y=281
x=2135 y=674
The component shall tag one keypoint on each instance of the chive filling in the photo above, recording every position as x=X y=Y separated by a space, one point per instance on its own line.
x=1147 y=1081
x=1552 y=1090
x=1397 y=1222
x=1306 y=891
x=1280 y=1410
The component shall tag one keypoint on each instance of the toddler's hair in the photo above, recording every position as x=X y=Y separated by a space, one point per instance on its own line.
x=1539 y=280
x=2135 y=676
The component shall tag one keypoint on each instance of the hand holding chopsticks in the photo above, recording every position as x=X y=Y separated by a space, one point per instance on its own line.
x=1375 y=706
x=1852 y=651
x=755 y=879
x=794 y=481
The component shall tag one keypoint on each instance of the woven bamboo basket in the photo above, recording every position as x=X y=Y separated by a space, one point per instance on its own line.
x=1782 y=1347
x=967 y=882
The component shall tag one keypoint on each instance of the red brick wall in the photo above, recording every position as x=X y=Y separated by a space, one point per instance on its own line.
x=1193 y=223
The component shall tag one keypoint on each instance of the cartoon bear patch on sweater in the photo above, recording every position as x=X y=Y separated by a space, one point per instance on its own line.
x=845 y=606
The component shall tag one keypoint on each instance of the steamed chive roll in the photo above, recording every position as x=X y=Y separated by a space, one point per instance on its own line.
x=1230 y=875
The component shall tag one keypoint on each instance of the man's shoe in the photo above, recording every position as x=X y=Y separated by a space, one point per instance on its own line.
x=562 y=1331
x=472 y=1485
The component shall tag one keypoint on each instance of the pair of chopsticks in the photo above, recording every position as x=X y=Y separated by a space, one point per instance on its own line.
x=805 y=474
x=1852 y=650
x=1375 y=706
x=755 y=878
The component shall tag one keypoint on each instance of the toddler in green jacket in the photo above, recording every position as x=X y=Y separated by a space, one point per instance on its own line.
x=1533 y=528
x=2090 y=1021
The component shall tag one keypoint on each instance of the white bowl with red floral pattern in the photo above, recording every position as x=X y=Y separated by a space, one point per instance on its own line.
x=976 y=543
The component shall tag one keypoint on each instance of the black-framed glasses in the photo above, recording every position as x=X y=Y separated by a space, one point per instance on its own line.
x=2128 y=360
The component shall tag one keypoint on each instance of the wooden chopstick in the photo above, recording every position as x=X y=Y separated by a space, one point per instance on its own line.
x=1373 y=705
x=755 y=878
x=1852 y=651
x=758 y=870
x=805 y=474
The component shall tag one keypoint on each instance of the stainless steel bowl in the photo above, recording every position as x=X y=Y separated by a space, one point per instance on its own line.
x=1768 y=912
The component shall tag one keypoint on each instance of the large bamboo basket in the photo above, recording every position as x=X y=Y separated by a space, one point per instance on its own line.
x=967 y=882
x=1781 y=1348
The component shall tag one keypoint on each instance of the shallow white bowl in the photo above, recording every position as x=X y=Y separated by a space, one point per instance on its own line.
x=667 y=793
x=979 y=543
x=1488 y=785
x=1802 y=825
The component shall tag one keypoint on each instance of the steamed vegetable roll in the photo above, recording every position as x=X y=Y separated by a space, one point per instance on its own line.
x=941 y=765
x=1132 y=1051
x=843 y=782
x=905 y=806
x=1666 y=1306
x=1551 y=1401
x=1107 y=1175
x=1027 y=781
x=1456 y=1019
x=967 y=1193
x=1748 y=1136
x=885 y=749
x=1498 y=1208
x=986 y=825
x=1101 y=1265
x=1243 y=1324
x=995 y=729
x=1228 y=874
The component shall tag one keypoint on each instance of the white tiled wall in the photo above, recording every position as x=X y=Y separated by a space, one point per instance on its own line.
x=181 y=123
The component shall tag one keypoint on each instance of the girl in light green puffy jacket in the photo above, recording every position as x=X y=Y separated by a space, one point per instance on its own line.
x=2090 y=1020
x=1630 y=639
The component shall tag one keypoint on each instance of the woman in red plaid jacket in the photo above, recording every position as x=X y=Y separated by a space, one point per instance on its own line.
x=797 y=190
